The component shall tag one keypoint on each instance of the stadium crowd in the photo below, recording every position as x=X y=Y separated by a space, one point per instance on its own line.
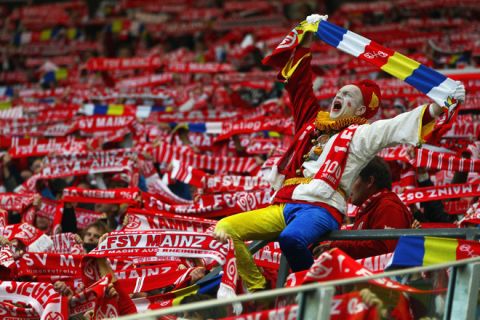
x=141 y=144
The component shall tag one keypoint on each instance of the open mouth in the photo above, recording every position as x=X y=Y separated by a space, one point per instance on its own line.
x=337 y=105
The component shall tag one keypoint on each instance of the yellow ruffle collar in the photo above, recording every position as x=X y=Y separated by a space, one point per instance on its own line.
x=325 y=124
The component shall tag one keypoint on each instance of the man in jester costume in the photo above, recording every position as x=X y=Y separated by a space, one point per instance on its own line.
x=313 y=179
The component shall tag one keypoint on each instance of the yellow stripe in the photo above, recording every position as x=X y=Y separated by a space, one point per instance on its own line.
x=117 y=26
x=61 y=74
x=115 y=109
x=182 y=293
x=45 y=35
x=71 y=33
x=424 y=129
x=400 y=66
x=438 y=250
x=5 y=105
x=274 y=134
x=288 y=70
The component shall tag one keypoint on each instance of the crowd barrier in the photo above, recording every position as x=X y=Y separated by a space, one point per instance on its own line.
x=315 y=299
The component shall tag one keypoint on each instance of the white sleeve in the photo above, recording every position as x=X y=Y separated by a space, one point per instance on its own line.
x=406 y=128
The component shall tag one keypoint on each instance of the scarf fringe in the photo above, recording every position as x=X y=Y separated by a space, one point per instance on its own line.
x=325 y=124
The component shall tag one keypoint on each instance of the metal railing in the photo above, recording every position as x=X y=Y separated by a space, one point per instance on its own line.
x=315 y=298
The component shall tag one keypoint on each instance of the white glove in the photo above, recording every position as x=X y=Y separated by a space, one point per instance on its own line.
x=458 y=96
x=459 y=93
x=314 y=18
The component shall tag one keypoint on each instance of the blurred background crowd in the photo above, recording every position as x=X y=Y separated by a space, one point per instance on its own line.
x=168 y=102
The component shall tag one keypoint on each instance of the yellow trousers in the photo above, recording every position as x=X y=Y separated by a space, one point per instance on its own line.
x=261 y=224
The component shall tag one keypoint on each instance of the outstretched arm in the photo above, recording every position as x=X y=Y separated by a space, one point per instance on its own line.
x=298 y=78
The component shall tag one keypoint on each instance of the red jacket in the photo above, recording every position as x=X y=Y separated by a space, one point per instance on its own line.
x=381 y=211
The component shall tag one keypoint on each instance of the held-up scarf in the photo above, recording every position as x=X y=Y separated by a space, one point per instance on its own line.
x=425 y=158
x=48 y=303
x=269 y=257
x=41 y=264
x=119 y=195
x=93 y=124
x=216 y=205
x=439 y=193
x=138 y=219
x=34 y=239
x=230 y=128
x=66 y=243
x=187 y=174
x=85 y=217
x=165 y=153
x=107 y=156
x=265 y=145
x=84 y=167
x=222 y=183
x=17 y=313
x=172 y=244
x=44 y=149
x=334 y=265
x=93 y=297
x=15 y=201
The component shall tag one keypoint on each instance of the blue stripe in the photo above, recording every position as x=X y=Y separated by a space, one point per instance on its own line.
x=9 y=92
x=409 y=252
x=55 y=32
x=197 y=127
x=100 y=109
x=158 y=108
x=330 y=33
x=49 y=77
x=424 y=79
x=17 y=38
x=209 y=286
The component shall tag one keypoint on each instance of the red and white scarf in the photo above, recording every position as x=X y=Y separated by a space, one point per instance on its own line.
x=214 y=205
x=48 y=264
x=120 y=195
x=223 y=183
x=43 y=298
x=17 y=313
x=138 y=219
x=425 y=158
x=332 y=169
x=34 y=239
x=327 y=180
x=15 y=201
x=172 y=244
x=439 y=193
x=66 y=243
x=165 y=153
x=335 y=265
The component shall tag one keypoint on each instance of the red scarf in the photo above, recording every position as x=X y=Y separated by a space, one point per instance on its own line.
x=144 y=220
x=41 y=264
x=159 y=244
x=48 y=303
x=120 y=195
x=15 y=201
x=214 y=205
x=222 y=183
x=439 y=193
x=332 y=169
x=34 y=239
x=336 y=265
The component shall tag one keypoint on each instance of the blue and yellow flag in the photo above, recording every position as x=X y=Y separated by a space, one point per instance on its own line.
x=413 y=251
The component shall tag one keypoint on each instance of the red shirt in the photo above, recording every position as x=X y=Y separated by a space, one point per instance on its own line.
x=386 y=211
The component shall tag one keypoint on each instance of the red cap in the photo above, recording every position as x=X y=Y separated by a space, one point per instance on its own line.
x=372 y=97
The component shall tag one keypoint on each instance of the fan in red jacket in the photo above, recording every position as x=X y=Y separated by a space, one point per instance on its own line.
x=378 y=208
